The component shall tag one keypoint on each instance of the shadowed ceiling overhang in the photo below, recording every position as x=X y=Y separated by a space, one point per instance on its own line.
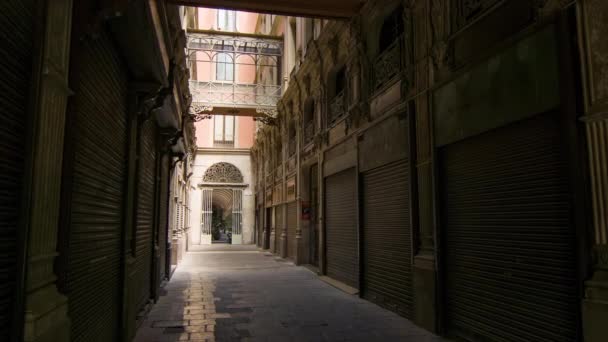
x=307 y=8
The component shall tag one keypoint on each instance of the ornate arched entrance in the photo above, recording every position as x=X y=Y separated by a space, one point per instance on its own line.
x=222 y=204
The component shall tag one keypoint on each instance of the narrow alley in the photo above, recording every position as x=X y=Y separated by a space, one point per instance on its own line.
x=240 y=293
x=303 y=170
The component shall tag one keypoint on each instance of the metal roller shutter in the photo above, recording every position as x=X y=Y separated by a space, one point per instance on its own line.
x=341 y=227
x=144 y=229
x=292 y=222
x=267 y=227
x=387 y=237
x=97 y=170
x=258 y=227
x=510 y=253
x=163 y=216
x=16 y=22
x=278 y=230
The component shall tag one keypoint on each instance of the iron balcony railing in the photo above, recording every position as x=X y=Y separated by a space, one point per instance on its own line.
x=337 y=107
x=233 y=94
x=388 y=64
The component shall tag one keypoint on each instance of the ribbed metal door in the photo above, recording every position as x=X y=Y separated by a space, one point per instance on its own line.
x=144 y=229
x=163 y=216
x=510 y=248
x=387 y=237
x=259 y=228
x=94 y=189
x=16 y=22
x=341 y=227
x=278 y=227
x=292 y=222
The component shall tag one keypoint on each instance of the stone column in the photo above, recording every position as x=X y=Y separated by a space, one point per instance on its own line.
x=46 y=316
x=421 y=135
x=595 y=303
x=593 y=28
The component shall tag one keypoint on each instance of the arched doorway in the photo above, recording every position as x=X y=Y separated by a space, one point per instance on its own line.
x=222 y=204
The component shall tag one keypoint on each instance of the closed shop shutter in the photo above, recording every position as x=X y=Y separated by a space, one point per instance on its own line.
x=510 y=253
x=278 y=230
x=163 y=216
x=387 y=237
x=144 y=229
x=16 y=22
x=341 y=227
x=94 y=181
x=260 y=227
x=292 y=222
x=267 y=228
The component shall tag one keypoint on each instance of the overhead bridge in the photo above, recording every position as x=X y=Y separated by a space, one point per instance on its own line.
x=311 y=8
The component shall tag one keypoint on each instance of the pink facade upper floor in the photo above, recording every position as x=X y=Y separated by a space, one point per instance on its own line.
x=244 y=22
x=244 y=132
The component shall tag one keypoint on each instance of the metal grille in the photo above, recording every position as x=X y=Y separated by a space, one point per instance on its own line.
x=341 y=227
x=387 y=238
x=292 y=223
x=207 y=212
x=237 y=212
x=16 y=21
x=98 y=129
x=510 y=253
x=144 y=229
x=388 y=64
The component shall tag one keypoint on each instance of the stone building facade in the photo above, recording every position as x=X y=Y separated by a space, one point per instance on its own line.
x=97 y=138
x=444 y=159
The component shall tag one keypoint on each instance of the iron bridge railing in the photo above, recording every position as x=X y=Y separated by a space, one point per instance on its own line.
x=233 y=94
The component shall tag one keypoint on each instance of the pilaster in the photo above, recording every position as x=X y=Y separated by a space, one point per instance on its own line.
x=46 y=316
x=592 y=18
x=421 y=139
x=595 y=303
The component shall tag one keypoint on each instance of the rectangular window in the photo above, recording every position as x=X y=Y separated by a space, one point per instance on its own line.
x=224 y=67
x=223 y=130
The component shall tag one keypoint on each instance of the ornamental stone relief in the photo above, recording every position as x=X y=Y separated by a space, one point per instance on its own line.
x=223 y=173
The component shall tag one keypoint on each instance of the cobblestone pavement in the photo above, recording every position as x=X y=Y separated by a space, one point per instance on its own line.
x=241 y=294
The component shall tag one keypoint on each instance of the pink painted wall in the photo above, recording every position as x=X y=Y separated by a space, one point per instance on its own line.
x=246 y=130
x=203 y=67
x=245 y=21
x=207 y=18
x=204 y=133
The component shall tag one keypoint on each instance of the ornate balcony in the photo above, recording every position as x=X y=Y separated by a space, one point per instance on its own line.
x=232 y=94
x=388 y=64
x=337 y=107
x=232 y=57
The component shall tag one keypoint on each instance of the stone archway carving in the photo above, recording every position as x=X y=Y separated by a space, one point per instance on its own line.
x=223 y=173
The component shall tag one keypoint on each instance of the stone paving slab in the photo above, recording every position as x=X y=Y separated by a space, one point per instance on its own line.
x=242 y=295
